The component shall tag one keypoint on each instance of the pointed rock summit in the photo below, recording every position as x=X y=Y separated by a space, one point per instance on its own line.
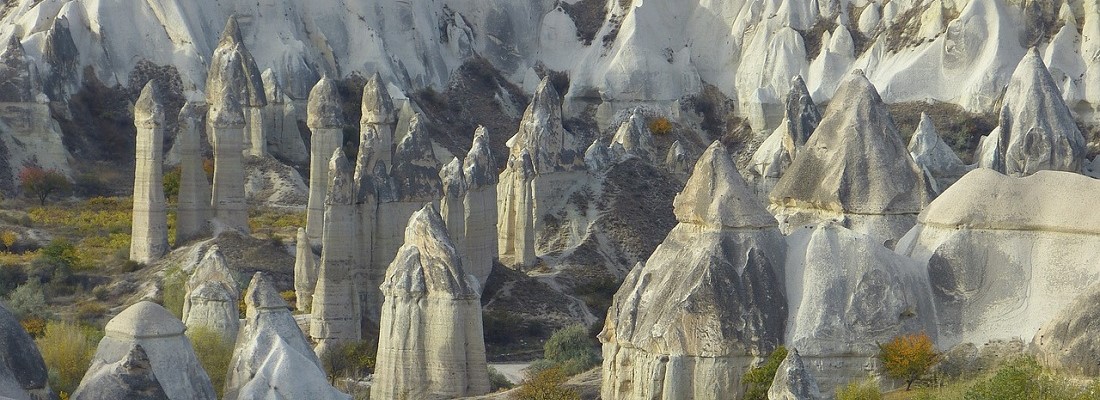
x=1037 y=130
x=793 y=381
x=130 y=378
x=776 y=153
x=431 y=342
x=305 y=271
x=855 y=164
x=934 y=156
x=480 y=204
x=150 y=216
x=170 y=353
x=541 y=133
x=719 y=281
x=634 y=138
x=677 y=159
x=271 y=351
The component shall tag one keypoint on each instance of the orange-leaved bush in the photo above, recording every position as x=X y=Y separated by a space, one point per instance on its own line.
x=908 y=357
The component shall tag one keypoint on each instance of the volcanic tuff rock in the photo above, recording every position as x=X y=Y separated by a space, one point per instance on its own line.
x=280 y=122
x=161 y=335
x=379 y=114
x=452 y=206
x=598 y=156
x=854 y=169
x=305 y=271
x=938 y=161
x=212 y=298
x=1037 y=130
x=988 y=226
x=541 y=133
x=272 y=358
x=326 y=121
x=677 y=159
x=150 y=218
x=336 y=301
x=847 y=293
x=23 y=374
x=193 y=204
x=793 y=381
x=232 y=68
x=431 y=343
x=800 y=118
x=480 y=204
x=228 y=199
x=130 y=378
x=689 y=321
x=1070 y=341
x=635 y=138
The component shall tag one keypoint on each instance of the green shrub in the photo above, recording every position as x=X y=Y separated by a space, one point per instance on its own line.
x=758 y=380
x=171 y=184
x=497 y=381
x=1023 y=378
x=214 y=353
x=67 y=349
x=353 y=359
x=28 y=300
x=571 y=350
x=546 y=385
x=172 y=290
x=502 y=327
x=862 y=390
x=90 y=310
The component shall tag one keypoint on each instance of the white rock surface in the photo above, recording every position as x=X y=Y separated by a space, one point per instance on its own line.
x=1037 y=129
x=30 y=134
x=793 y=380
x=161 y=335
x=990 y=226
x=149 y=232
x=677 y=159
x=634 y=138
x=688 y=322
x=938 y=161
x=233 y=68
x=306 y=265
x=326 y=121
x=226 y=119
x=336 y=309
x=193 y=206
x=800 y=118
x=847 y=293
x=212 y=297
x=272 y=358
x=452 y=207
x=131 y=377
x=855 y=170
x=431 y=345
x=378 y=113
x=480 y=204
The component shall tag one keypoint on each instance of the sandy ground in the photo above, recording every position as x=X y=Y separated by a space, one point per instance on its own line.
x=512 y=371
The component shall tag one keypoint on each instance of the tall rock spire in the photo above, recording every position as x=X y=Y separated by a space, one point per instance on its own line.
x=193 y=205
x=150 y=218
x=336 y=305
x=227 y=122
x=480 y=203
x=233 y=68
x=325 y=119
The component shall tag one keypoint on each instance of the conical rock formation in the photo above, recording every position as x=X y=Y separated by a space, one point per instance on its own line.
x=431 y=344
x=170 y=354
x=130 y=378
x=688 y=322
x=855 y=169
x=272 y=358
x=480 y=203
x=938 y=161
x=634 y=138
x=336 y=310
x=212 y=297
x=305 y=271
x=1037 y=130
x=793 y=381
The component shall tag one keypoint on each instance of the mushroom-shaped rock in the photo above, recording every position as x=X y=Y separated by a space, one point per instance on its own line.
x=1070 y=342
x=1037 y=130
x=325 y=118
x=377 y=105
x=324 y=109
x=988 y=226
x=706 y=302
x=431 y=342
x=793 y=381
x=227 y=120
x=847 y=293
x=480 y=204
x=233 y=68
x=934 y=156
x=272 y=358
x=150 y=217
x=23 y=374
x=212 y=299
x=635 y=138
x=170 y=354
x=854 y=168
x=130 y=378
x=336 y=310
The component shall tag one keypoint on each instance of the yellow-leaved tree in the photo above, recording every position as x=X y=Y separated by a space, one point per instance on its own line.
x=908 y=357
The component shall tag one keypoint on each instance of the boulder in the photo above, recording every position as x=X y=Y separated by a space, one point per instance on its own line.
x=160 y=334
x=988 y=226
x=690 y=321
x=272 y=358
x=130 y=378
x=431 y=343
x=855 y=170
x=677 y=159
x=23 y=374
